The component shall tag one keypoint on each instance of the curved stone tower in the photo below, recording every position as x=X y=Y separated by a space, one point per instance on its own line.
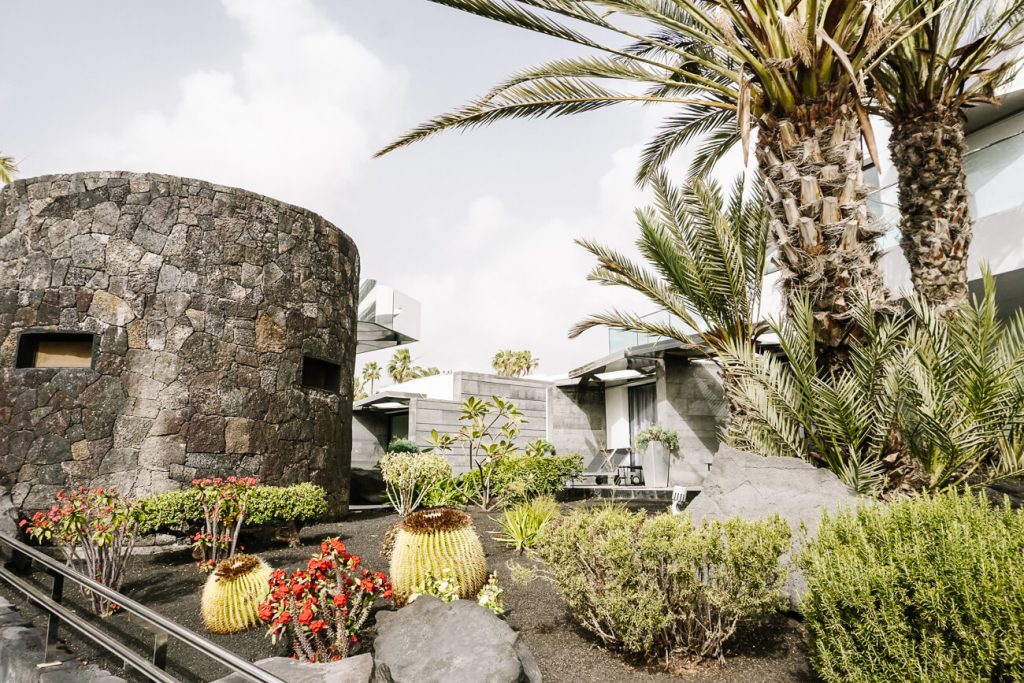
x=154 y=329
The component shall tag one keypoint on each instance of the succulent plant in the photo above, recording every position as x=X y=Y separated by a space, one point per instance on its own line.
x=432 y=542
x=233 y=592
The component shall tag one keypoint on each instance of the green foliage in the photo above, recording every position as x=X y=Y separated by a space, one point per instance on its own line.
x=430 y=543
x=514 y=478
x=509 y=363
x=8 y=169
x=267 y=505
x=96 y=531
x=926 y=589
x=490 y=596
x=522 y=524
x=704 y=259
x=667 y=437
x=663 y=586
x=539 y=448
x=950 y=389
x=488 y=436
x=403 y=446
x=232 y=594
x=446 y=493
x=409 y=477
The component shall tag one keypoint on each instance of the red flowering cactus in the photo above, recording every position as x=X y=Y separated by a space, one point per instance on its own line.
x=323 y=607
x=96 y=530
x=224 y=503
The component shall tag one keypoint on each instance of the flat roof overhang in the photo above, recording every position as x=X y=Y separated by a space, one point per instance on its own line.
x=371 y=336
x=385 y=402
x=642 y=358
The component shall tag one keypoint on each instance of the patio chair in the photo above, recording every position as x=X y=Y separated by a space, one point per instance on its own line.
x=678 y=499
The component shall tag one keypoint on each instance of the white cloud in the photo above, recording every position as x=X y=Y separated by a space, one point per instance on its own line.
x=297 y=119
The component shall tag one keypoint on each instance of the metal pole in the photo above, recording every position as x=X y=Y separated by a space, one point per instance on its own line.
x=160 y=649
x=53 y=622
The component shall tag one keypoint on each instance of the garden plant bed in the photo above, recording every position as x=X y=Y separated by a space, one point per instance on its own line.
x=170 y=584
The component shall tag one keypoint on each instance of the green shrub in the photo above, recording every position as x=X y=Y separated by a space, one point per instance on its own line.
x=926 y=589
x=410 y=476
x=667 y=437
x=446 y=493
x=403 y=446
x=267 y=505
x=664 y=586
x=522 y=524
x=519 y=477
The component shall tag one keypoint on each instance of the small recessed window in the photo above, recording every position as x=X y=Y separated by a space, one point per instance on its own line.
x=320 y=374
x=55 y=350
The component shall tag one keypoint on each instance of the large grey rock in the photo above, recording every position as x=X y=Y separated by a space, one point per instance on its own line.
x=430 y=641
x=356 y=669
x=754 y=486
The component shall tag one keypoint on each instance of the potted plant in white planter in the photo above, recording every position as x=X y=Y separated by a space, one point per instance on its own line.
x=656 y=445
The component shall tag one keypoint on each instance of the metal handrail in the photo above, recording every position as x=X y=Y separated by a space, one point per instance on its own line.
x=161 y=626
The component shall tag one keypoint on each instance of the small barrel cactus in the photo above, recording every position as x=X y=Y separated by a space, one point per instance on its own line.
x=233 y=592
x=433 y=542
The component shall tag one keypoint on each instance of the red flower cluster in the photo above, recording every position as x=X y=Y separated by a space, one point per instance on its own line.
x=323 y=607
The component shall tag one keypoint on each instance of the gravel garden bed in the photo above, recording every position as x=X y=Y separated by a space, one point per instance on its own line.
x=170 y=584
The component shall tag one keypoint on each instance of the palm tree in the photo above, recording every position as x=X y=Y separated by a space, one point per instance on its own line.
x=8 y=169
x=705 y=258
x=791 y=70
x=509 y=363
x=962 y=54
x=371 y=373
x=400 y=367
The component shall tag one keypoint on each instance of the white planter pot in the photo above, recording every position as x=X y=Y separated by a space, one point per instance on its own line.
x=655 y=461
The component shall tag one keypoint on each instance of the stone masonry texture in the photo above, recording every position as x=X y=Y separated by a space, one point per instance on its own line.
x=204 y=301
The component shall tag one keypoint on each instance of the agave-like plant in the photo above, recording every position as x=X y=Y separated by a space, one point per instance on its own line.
x=793 y=70
x=705 y=258
x=963 y=51
x=929 y=402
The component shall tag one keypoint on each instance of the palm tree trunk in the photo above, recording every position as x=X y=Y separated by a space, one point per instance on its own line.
x=935 y=221
x=813 y=169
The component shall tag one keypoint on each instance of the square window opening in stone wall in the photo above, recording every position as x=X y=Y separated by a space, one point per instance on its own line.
x=320 y=374
x=55 y=350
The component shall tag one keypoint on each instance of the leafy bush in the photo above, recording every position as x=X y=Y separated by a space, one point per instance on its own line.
x=409 y=477
x=667 y=437
x=96 y=530
x=519 y=477
x=403 y=446
x=663 y=586
x=177 y=510
x=521 y=525
x=926 y=589
x=446 y=493
x=926 y=402
x=324 y=606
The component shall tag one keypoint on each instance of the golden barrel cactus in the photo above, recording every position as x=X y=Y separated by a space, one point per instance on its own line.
x=432 y=541
x=233 y=592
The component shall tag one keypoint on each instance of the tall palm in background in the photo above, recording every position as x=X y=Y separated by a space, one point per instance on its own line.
x=963 y=52
x=705 y=257
x=371 y=374
x=400 y=366
x=509 y=363
x=791 y=70
x=8 y=169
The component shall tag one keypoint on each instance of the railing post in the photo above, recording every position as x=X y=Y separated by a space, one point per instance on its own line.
x=53 y=622
x=160 y=649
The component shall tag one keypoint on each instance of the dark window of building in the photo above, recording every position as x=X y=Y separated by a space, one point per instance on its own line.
x=55 y=350
x=320 y=374
x=398 y=426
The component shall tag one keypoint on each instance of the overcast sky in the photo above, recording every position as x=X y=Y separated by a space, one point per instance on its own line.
x=290 y=98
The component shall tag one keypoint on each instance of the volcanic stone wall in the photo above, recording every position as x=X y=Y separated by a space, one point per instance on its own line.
x=206 y=302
